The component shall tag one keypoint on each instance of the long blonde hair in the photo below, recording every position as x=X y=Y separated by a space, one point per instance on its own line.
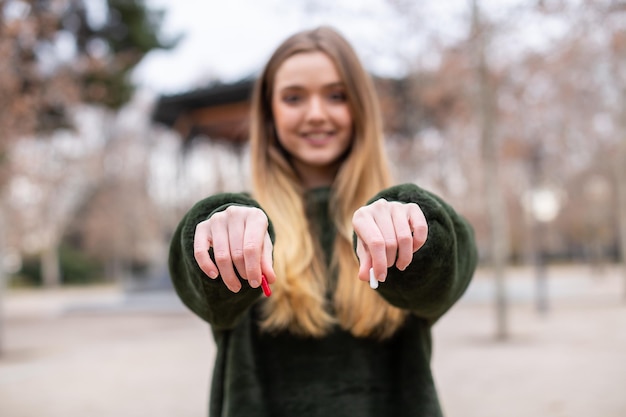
x=299 y=302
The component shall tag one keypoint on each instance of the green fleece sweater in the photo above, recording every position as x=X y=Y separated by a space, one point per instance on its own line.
x=280 y=375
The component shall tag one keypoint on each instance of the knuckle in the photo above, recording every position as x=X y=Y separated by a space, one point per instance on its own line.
x=380 y=202
x=399 y=209
x=377 y=244
x=232 y=209
x=391 y=242
x=257 y=212
x=358 y=215
x=221 y=255
x=405 y=239
x=220 y=215
x=235 y=212
x=262 y=220
x=237 y=254
x=249 y=249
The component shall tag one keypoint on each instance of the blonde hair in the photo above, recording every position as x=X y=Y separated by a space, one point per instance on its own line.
x=299 y=302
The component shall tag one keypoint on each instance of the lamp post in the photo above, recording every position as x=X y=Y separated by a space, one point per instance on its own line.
x=544 y=205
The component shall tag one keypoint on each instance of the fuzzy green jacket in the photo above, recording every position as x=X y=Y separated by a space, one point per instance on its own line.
x=280 y=375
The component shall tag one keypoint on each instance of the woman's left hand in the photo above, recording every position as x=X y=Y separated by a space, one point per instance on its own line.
x=388 y=233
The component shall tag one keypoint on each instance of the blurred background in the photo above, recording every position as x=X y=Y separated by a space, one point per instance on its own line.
x=118 y=115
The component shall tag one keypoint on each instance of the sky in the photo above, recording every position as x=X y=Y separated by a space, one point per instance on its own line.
x=230 y=40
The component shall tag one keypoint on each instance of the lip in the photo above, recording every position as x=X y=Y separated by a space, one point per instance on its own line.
x=318 y=137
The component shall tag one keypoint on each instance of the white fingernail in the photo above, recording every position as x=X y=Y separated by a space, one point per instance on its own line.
x=254 y=283
x=373 y=280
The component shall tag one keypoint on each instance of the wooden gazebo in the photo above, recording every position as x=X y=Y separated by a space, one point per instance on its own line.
x=219 y=111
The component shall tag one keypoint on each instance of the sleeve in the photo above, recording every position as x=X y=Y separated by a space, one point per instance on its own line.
x=442 y=269
x=208 y=298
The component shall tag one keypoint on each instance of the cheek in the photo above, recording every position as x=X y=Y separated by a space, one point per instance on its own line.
x=284 y=117
x=343 y=116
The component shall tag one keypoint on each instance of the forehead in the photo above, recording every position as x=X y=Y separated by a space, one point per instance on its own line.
x=306 y=69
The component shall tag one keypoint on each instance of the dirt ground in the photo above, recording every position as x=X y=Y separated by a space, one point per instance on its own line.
x=100 y=352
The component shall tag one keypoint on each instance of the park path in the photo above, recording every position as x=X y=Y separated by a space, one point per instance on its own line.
x=100 y=352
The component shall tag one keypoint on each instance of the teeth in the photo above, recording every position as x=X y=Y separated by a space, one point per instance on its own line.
x=317 y=135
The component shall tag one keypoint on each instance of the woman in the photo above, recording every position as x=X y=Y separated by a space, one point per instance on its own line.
x=324 y=343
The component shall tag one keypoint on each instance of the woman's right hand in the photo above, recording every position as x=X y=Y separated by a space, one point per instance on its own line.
x=240 y=241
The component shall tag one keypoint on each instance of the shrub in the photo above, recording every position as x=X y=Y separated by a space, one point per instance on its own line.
x=76 y=268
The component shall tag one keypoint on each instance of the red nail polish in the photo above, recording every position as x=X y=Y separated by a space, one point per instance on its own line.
x=266 y=287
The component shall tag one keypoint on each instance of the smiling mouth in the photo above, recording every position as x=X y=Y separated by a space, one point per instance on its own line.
x=318 y=137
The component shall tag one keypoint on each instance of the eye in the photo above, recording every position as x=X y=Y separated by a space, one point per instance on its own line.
x=292 y=98
x=338 y=96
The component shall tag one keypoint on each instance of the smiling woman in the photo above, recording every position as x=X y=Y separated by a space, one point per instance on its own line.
x=324 y=342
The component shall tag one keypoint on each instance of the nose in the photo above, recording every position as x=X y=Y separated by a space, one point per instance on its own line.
x=316 y=110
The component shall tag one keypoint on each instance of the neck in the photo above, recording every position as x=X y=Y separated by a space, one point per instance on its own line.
x=315 y=177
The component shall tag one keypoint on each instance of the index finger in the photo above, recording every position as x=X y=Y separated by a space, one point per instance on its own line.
x=368 y=232
x=253 y=242
x=266 y=260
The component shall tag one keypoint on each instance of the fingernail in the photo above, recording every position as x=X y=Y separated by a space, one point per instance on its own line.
x=382 y=277
x=254 y=283
x=213 y=274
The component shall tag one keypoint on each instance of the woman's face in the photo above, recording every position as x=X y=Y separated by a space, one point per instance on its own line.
x=312 y=116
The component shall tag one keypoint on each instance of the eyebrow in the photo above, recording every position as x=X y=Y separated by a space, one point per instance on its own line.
x=300 y=87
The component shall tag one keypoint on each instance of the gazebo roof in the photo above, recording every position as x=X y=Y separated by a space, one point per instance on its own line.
x=168 y=109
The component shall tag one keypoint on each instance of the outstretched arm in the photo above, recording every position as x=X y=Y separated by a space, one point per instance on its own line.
x=405 y=222
x=217 y=255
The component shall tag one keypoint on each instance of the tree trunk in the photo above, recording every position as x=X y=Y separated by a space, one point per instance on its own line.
x=621 y=187
x=493 y=193
x=2 y=281
x=619 y=71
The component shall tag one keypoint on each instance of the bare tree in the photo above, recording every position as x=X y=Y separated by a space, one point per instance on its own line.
x=493 y=191
x=60 y=171
x=39 y=86
x=618 y=42
x=119 y=221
